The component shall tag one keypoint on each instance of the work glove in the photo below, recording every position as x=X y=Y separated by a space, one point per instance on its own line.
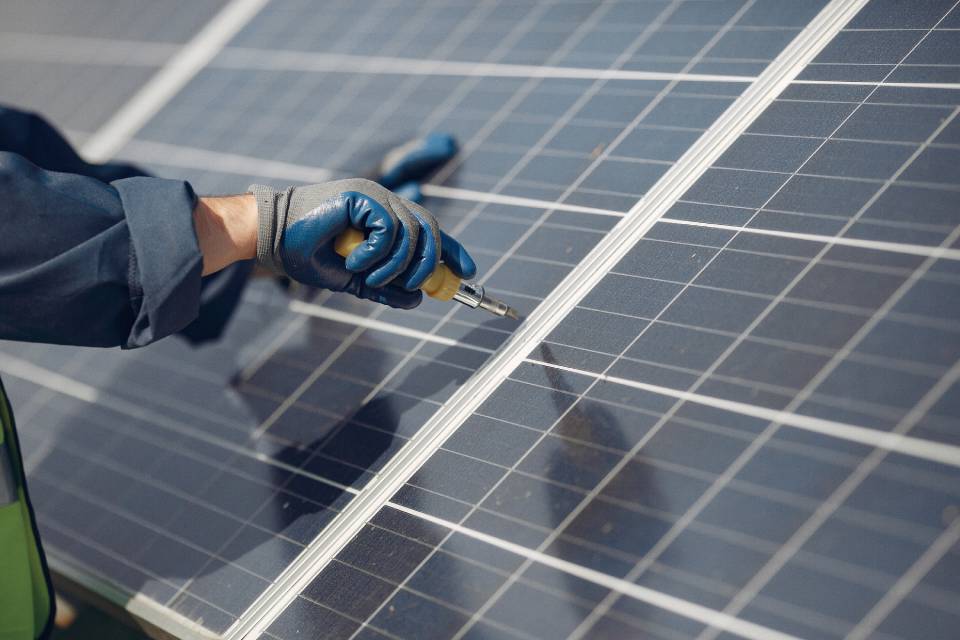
x=299 y=225
x=404 y=167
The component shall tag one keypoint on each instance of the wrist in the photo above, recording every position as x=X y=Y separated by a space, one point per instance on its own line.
x=226 y=229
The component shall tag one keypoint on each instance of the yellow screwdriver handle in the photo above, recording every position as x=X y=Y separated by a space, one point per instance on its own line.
x=442 y=283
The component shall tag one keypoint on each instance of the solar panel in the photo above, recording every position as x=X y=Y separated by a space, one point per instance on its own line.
x=633 y=449
x=700 y=446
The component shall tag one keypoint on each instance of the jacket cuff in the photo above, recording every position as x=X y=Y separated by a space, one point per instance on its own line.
x=165 y=260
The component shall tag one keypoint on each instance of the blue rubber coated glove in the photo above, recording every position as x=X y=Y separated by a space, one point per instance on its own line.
x=417 y=159
x=298 y=227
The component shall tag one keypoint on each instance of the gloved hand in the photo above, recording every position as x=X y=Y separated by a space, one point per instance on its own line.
x=298 y=227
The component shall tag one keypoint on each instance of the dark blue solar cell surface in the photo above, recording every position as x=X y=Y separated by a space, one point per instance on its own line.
x=195 y=476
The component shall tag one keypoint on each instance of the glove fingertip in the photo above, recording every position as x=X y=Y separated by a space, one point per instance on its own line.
x=407 y=300
x=466 y=265
x=415 y=280
x=457 y=258
x=376 y=280
x=360 y=259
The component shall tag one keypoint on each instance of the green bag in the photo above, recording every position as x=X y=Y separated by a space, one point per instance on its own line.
x=26 y=595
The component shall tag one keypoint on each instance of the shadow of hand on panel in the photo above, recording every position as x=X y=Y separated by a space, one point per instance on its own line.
x=161 y=472
x=170 y=495
x=338 y=455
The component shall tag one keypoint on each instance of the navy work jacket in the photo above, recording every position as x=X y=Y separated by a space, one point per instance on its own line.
x=85 y=260
x=92 y=255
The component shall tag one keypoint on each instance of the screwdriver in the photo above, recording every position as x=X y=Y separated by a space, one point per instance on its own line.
x=443 y=284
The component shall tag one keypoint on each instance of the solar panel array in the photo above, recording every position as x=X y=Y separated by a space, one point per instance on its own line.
x=797 y=531
x=690 y=431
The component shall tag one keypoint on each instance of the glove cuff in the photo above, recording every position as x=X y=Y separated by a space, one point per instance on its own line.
x=271 y=220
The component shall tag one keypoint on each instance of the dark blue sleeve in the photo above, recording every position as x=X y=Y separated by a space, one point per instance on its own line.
x=89 y=263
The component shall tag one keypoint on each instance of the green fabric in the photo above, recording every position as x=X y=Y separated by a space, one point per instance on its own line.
x=25 y=607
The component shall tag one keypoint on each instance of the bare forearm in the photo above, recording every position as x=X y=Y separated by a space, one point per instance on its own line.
x=226 y=230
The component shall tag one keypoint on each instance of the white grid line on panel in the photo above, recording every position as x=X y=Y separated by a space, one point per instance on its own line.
x=83 y=50
x=236 y=58
x=319 y=311
x=893 y=442
x=191 y=158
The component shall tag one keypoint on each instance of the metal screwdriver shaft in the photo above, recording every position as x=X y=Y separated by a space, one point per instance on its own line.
x=443 y=284
x=473 y=296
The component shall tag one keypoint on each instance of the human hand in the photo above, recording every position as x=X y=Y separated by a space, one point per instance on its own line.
x=298 y=227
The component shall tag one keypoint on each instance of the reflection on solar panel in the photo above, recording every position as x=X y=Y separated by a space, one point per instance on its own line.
x=732 y=413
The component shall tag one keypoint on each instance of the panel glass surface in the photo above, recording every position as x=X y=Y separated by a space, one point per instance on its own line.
x=629 y=443
x=193 y=476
